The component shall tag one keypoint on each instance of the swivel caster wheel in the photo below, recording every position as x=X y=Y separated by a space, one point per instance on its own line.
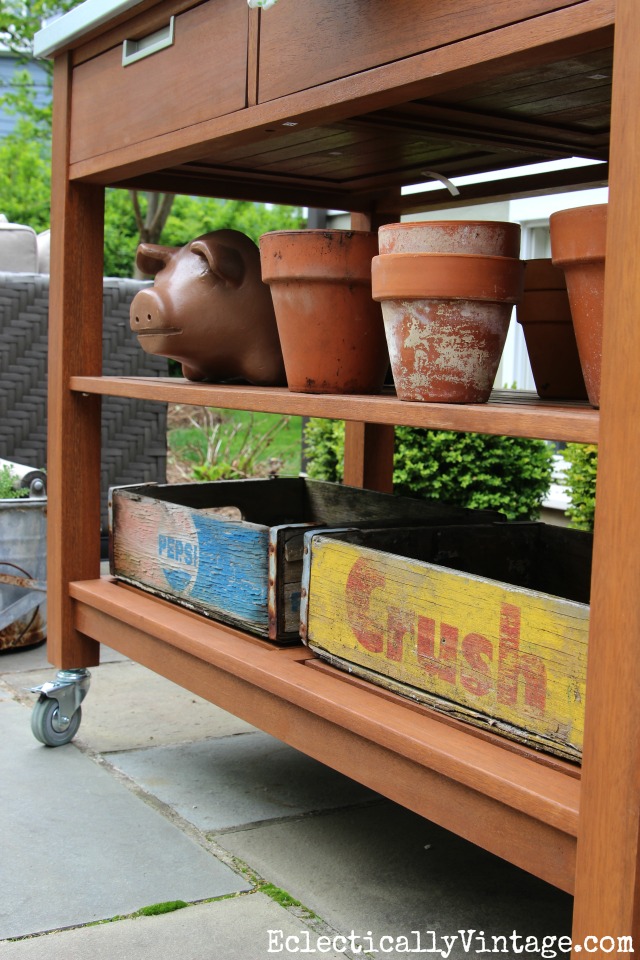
x=50 y=727
x=56 y=715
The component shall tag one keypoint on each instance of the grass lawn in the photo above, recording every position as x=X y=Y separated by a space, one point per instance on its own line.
x=254 y=444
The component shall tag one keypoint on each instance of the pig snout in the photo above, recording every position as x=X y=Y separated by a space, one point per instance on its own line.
x=151 y=321
x=147 y=315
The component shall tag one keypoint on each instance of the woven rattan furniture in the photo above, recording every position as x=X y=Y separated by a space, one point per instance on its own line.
x=134 y=432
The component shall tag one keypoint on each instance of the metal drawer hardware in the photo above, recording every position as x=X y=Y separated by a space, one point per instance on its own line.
x=133 y=50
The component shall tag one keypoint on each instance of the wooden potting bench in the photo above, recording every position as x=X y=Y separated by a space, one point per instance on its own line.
x=337 y=104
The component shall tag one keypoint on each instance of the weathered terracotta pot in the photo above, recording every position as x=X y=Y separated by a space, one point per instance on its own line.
x=330 y=328
x=446 y=320
x=490 y=238
x=578 y=242
x=545 y=316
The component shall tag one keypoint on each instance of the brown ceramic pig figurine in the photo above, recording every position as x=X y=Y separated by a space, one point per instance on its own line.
x=209 y=309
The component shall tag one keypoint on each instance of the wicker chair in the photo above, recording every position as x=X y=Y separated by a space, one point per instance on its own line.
x=133 y=431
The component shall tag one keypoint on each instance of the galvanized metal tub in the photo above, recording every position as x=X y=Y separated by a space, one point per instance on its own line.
x=23 y=571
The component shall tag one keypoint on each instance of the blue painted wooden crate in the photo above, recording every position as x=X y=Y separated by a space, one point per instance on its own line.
x=233 y=550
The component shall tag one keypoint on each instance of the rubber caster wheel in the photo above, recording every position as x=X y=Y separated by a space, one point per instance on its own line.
x=46 y=726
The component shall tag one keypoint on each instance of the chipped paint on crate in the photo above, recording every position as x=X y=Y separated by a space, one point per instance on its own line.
x=506 y=655
x=210 y=564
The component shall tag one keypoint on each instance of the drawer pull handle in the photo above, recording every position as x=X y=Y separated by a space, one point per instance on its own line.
x=133 y=50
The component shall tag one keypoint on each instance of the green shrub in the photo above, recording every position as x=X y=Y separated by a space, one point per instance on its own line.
x=581 y=483
x=8 y=489
x=508 y=474
x=323 y=449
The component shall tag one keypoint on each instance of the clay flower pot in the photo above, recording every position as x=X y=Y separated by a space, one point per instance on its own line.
x=578 y=241
x=446 y=319
x=330 y=328
x=545 y=316
x=490 y=238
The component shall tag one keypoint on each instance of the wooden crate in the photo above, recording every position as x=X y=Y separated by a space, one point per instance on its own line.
x=487 y=623
x=232 y=550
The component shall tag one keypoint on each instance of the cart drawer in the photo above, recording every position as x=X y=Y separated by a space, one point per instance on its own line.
x=305 y=43
x=190 y=69
x=487 y=623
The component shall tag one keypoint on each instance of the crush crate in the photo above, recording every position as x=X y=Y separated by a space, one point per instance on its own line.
x=232 y=550
x=486 y=623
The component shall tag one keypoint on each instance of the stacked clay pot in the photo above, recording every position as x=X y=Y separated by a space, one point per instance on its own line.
x=578 y=243
x=330 y=328
x=447 y=291
x=545 y=316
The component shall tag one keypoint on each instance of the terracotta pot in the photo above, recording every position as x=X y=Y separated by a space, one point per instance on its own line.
x=578 y=241
x=490 y=238
x=330 y=328
x=446 y=320
x=545 y=316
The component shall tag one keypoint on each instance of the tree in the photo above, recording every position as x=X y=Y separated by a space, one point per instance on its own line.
x=193 y=215
x=151 y=218
x=189 y=217
x=25 y=177
x=19 y=21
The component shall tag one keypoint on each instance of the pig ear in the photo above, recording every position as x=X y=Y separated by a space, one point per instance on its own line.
x=150 y=257
x=224 y=262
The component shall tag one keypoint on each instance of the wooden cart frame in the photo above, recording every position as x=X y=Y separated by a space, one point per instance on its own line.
x=577 y=829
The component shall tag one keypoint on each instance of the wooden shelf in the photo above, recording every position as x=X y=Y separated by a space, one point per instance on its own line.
x=481 y=789
x=509 y=412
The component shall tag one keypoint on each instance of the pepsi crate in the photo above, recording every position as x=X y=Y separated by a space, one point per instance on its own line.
x=233 y=550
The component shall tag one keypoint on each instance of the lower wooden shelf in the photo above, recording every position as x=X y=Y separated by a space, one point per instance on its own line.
x=512 y=803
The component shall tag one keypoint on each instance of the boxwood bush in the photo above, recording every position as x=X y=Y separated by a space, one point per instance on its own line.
x=508 y=474
x=582 y=459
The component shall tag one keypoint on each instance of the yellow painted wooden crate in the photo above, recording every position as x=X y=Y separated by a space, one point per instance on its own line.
x=487 y=623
